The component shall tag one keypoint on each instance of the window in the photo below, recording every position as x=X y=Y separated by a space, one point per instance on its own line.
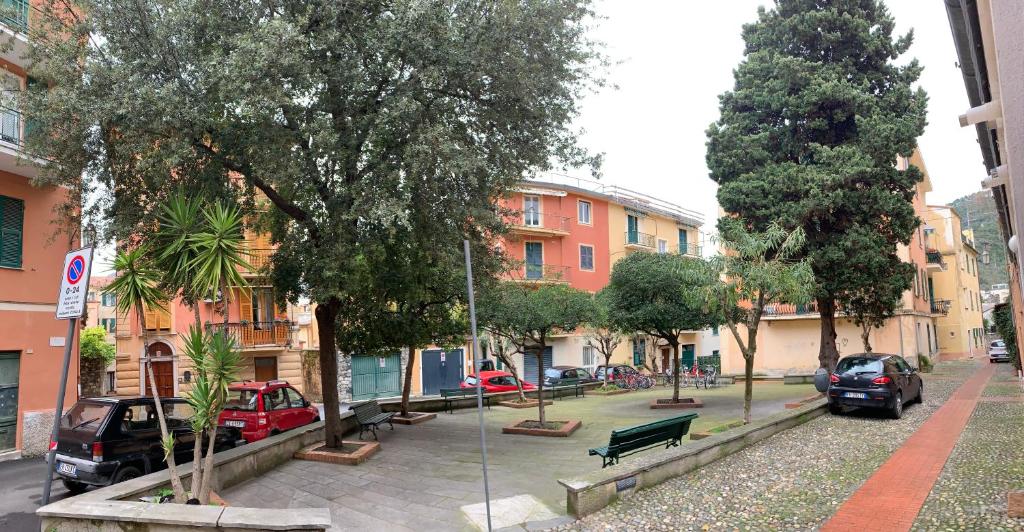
x=714 y=330
x=855 y=364
x=534 y=252
x=109 y=300
x=583 y=216
x=275 y=400
x=109 y=324
x=111 y=381
x=12 y=216
x=241 y=400
x=157 y=319
x=589 y=358
x=531 y=211
x=683 y=242
x=928 y=332
x=639 y=347
x=295 y=398
x=714 y=353
x=587 y=258
x=662 y=246
x=90 y=296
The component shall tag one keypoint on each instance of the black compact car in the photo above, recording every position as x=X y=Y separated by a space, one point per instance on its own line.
x=554 y=375
x=873 y=380
x=104 y=441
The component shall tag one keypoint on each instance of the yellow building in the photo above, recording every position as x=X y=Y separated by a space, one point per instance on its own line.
x=789 y=337
x=953 y=263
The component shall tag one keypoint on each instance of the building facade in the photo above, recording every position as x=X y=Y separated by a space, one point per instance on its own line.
x=100 y=311
x=31 y=339
x=954 y=283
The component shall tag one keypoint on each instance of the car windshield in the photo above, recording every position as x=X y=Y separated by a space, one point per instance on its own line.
x=471 y=380
x=241 y=399
x=85 y=416
x=859 y=365
x=998 y=343
x=552 y=373
x=503 y=380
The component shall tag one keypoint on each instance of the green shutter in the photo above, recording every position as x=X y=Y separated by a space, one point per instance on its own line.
x=12 y=214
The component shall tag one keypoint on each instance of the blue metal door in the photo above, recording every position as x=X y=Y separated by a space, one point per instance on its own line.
x=376 y=376
x=441 y=369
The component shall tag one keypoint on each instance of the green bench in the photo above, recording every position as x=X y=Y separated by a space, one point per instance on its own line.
x=450 y=395
x=575 y=384
x=624 y=442
x=370 y=416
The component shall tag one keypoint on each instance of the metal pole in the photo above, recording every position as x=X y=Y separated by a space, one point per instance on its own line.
x=479 y=381
x=58 y=413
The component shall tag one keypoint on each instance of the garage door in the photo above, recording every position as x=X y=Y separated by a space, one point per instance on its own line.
x=376 y=376
x=441 y=369
x=530 y=365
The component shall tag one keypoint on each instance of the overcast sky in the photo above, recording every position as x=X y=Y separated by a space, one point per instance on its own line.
x=675 y=58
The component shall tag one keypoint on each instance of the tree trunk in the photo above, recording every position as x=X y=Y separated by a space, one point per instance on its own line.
x=407 y=386
x=677 y=371
x=326 y=314
x=176 y=485
x=195 y=314
x=197 y=464
x=208 y=471
x=540 y=384
x=865 y=336
x=748 y=385
x=607 y=368
x=828 y=354
x=224 y=297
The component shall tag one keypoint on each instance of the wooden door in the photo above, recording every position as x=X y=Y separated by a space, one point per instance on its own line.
x=163 y=374
x=666 y=358
x=265 y=368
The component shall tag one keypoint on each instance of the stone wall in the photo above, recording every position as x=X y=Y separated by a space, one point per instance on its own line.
x=35 y=432
x=91 y=373
x=344 y=378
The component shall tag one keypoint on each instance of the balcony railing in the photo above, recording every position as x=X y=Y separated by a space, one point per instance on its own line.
x=636 y=238
x=941 y=306
x=259 y=259
x=545 y=273
x=14 y=14
x=538 y=221
x=257 y=333
x=787 y=309
x=934 y=259
x=692 y=250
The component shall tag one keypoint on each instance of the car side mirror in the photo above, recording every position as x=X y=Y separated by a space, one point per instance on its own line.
x=306 y=403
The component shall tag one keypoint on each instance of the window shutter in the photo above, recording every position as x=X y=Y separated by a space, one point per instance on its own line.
x=12 y=215
x=149 y=315
x=164 y=314
x=244 y=304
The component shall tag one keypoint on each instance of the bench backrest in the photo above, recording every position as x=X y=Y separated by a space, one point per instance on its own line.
x=367 y=410
x=640 y=436
x=457 y=392
x=569 y=382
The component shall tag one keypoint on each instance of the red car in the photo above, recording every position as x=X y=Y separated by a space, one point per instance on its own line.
x=262 y=409
x=496 y=381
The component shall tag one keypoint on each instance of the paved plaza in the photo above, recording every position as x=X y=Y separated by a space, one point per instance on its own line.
x=427 y=475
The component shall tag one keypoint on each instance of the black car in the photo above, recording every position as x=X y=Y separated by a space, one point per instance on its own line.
x=554 y=375
x=874 y=381
x=104 y=441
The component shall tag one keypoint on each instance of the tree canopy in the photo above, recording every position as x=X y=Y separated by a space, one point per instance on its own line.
x=809 y=135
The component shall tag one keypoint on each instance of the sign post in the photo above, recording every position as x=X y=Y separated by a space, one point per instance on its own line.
x=74 y=287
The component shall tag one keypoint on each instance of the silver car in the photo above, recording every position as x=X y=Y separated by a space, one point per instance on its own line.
x=997 y=352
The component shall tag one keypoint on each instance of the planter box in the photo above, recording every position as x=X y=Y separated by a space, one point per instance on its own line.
x=527 y=404
x=567 y=428
x=684 y=402
x=415 y=418
x=804 y=401
x=316 y=453
x=715 y=430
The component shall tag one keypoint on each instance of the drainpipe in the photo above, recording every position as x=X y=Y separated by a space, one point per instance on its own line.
x=899 y=321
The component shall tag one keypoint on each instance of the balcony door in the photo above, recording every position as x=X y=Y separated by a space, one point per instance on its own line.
x=10 y=120
x=534 y=260
x=632 y=229
x=531 y=211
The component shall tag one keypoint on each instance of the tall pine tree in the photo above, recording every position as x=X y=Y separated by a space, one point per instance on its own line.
x=810 y=133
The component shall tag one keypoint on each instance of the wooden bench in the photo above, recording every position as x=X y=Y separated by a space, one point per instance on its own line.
x=450 y=395
x=575 y=384
x=370 y=416
x=624 y=442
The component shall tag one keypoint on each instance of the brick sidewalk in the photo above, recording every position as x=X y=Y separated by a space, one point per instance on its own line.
x=894 y=494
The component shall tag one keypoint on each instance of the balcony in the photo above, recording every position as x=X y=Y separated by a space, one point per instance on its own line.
x=934 y=261
x=259 y=259
x=787 y=310
x=941 y=306
x=691 y=250
x=637 y=240
x=542 y=274
x=538 y=223
x=14 y=25
x=256 y=334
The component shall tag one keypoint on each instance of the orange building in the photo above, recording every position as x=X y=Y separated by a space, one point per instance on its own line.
x=31 y=338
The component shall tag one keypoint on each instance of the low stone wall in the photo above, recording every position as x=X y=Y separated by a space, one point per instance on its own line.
x=798 y=379
x=36 y=428
x=592 y=492
x=116 y=508
x=434 y=403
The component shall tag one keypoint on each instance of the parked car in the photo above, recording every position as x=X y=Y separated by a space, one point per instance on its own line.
x=496 y=381
x=260 y=409
x=874 y=381
x=106 y=440
x=997 y=352
x=617 y=372
x=554 y=375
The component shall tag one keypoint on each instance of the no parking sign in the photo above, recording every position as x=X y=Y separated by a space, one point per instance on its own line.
x=74 y=284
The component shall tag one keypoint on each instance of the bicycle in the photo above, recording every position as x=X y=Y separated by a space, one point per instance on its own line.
x=710 y=376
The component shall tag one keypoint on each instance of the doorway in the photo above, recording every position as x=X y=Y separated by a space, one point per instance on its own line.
x=10 y=364
x=666 y=358
x=163 y=370
x=440 y=369
x=265 y=368
x=687 y=356
x=376 y=376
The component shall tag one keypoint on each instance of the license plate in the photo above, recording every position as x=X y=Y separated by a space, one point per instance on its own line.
x=67 y=469
x=235 y=423
x=855 y=395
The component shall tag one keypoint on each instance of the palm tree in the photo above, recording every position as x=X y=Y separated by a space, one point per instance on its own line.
x=136 y=287
x=180 y=222
x=219 y=254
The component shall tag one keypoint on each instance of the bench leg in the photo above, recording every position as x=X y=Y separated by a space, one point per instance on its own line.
x=392 y=424
x=361 y=428
x=375 y=433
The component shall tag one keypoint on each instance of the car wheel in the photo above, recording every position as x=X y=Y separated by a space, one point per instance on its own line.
x=920 y=394
x=126 y=473
x=835 y=409
x=317 y=418
x=897 y=406
x=73 y=486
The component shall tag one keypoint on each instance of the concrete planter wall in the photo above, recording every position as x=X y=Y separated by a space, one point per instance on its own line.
x=116 y=507
x=592 y=492
x=434 y=403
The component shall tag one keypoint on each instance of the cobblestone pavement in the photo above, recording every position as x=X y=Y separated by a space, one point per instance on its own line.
x=794 y=481
x=988 y=460
x=424 y=474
